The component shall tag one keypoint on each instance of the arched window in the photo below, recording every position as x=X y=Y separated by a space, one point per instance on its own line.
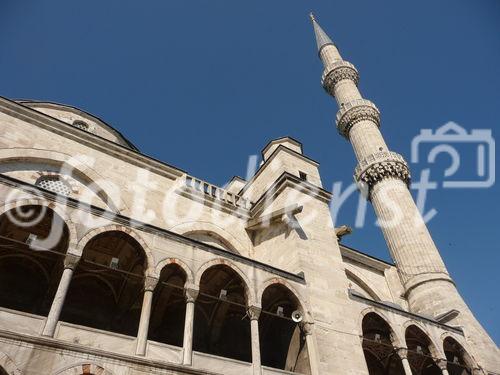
x=220 y=324
x=107 y=287
x=380 y=354
x=419 y=355
x=33 y=243
x=282 y=342
x=55 y=184
x=168 y=312
x=81 y=125
x=459 y=361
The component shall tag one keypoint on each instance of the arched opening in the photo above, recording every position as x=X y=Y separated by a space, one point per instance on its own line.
x=220 y=324
x=381 y=356
x=459 y=362
x=282 y=342
x=33 y=243
x=169 y=307
x=107 y=287
x=419 y=354
x=2 y=371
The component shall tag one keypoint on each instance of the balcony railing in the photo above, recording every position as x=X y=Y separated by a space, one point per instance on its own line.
x=217 y=193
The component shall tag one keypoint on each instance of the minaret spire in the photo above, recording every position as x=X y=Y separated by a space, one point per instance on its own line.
x=322 y=38
x=384 y=175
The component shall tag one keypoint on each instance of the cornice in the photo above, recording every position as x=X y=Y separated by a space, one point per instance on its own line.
x=364 y=259
x=94 y=141
x=285 y=180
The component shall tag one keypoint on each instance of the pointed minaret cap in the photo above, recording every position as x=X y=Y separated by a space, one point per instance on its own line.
x=322 y=39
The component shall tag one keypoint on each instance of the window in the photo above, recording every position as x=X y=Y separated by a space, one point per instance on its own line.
x=302 y=176
x=81 y=125
x=55 y=184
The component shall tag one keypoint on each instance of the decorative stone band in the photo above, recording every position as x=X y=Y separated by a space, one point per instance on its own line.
x=379 y=166
x=336 y=72
x=355 y=111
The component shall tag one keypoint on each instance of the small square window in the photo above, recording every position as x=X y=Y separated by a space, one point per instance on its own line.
x=302 y=176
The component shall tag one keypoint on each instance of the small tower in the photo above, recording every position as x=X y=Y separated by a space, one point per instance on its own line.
x=384 y=176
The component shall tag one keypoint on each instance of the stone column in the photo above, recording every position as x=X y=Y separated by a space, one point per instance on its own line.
x=187 y=355
x=254 y=314
x=442 y=363
x=403 y=354
x=142 y=333
x=307 y=329
x=70 y=262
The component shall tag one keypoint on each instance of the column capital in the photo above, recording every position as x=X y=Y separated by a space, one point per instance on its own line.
x=253 y=312
x=71 y=261
x=402 y=353
x=150 y=283
x=307 y=328
x=191 y=294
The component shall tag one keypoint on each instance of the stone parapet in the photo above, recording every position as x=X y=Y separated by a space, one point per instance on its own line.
x=336 y=72
x=381 y=165
x=355 y=111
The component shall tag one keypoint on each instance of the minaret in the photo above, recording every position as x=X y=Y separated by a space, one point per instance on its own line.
x=384 y=176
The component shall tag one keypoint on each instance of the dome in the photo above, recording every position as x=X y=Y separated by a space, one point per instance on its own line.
x=79 y=119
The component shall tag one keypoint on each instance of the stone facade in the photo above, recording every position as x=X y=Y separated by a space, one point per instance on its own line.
x=156 y=271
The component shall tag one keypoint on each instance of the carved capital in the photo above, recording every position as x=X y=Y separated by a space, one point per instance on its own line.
x=150 y=283
x=335 y=73
x=191 y=294
x=402 y=353
x=253 y=312
x=307 y=328
x=355 y=111
x=379 y=166
x=71 y=261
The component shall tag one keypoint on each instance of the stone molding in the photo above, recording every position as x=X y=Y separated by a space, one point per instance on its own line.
x=355 y=111
x=336 y=72
x=379 y=166
x=307 y=328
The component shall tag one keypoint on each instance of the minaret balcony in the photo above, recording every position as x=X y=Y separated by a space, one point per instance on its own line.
x=355 y=111
x=336 y=72
x=379 y=166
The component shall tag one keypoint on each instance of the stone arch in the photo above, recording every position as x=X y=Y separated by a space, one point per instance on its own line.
x=165 y=262
x=359 y=280
x=380 y=344
x=240 y=245
x=467 y=357
x=84 y=368
x=282 y=340
x=150 y=269
x=250 y=295
x=57 y=208
x=434 y=348
x=59 y=159
x=304 y=306
x=397 y=339
x=8 y=365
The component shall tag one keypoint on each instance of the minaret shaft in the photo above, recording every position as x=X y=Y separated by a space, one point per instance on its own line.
x=384 y=176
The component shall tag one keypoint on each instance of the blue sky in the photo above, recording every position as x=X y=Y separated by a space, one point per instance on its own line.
x=203 y=85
